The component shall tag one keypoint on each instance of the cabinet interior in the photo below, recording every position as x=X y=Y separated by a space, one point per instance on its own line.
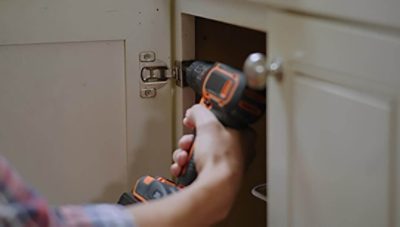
x=231 y=44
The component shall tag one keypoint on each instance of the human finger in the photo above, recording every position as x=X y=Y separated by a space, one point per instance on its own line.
x=185 y=142
x=180 y=157
x=188 y=123
x=175 y=169
x=200 y=117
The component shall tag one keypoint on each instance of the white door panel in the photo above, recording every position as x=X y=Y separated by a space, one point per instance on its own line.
x=89 y=129
x=332 y=125
x=340 y=156
x=63 y=117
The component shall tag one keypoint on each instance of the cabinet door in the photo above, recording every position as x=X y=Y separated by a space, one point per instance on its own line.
x=384 y=12
x=72 y=120
x=333 y=121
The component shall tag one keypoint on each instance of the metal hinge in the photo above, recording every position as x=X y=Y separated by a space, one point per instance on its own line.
x=154 y=74
x=176 y=73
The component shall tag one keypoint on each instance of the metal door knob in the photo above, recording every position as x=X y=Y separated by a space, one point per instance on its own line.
x=257 y=69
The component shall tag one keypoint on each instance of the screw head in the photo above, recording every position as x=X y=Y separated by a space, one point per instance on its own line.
x=147 y=56
x=148 y=93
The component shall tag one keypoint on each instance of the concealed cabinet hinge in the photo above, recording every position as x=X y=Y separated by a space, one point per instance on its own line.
x=154 y=74
x=176 y=73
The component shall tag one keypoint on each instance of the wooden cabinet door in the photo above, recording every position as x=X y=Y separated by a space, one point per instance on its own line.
x=384 y=12
x=333 y=121
x=71 y=117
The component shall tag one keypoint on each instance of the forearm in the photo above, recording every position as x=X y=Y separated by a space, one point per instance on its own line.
x=219 y=186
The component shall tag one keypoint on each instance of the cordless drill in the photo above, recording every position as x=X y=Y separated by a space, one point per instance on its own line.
x=224 y=91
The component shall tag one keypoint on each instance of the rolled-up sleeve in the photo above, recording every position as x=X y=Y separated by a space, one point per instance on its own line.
x=22 y=206
x=93 y=215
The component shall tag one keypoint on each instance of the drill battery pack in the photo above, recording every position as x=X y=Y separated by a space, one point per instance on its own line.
x=148 y=188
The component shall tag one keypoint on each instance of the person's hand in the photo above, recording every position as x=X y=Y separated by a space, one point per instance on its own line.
x=181 y=155
x=219 y=161
x=214 y=143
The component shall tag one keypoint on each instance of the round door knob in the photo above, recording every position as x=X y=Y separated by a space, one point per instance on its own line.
x=256 y=70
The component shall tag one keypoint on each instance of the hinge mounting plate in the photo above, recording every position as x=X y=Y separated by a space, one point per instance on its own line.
x=154 y=74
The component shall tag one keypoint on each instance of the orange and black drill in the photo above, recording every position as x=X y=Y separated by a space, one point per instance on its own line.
x=224 y=91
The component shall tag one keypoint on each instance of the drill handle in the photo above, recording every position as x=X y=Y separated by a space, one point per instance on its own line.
x=189 y=174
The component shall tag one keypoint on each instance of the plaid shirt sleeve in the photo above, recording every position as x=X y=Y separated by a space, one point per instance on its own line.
x=21 y=206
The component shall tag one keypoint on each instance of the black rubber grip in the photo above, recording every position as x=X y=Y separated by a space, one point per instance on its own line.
x=189 y=175
x=127 y=199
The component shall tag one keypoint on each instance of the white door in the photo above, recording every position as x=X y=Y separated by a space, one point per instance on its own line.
x=333 y=121
x=72 y=121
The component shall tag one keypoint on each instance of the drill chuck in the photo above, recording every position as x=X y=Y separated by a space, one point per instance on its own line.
x=194 y=73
